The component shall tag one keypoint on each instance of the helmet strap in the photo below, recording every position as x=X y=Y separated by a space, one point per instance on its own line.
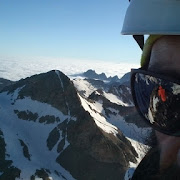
x=140 y=40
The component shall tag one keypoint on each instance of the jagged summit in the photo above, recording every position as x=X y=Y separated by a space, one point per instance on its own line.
x=52 y=87
x=93 y=75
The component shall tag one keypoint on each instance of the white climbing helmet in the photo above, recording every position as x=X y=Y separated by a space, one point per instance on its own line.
x=152 y=17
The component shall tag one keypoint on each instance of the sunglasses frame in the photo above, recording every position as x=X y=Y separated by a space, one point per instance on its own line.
x=159 y=76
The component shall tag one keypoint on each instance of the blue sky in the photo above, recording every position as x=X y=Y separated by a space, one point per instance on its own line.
x=79 y=29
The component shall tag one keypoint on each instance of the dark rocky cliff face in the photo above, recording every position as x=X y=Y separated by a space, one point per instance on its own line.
x=122 y=91
x=92 y=153
x=4 y=83
x=9 y=171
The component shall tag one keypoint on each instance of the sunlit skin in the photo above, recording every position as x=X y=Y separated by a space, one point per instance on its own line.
x=165 y=59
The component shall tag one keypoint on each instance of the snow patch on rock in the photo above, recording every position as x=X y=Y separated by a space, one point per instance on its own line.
x=114 y=99
x=98 y=118
x=84 y=86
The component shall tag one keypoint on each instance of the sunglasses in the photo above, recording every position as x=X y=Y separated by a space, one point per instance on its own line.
x=157 y=99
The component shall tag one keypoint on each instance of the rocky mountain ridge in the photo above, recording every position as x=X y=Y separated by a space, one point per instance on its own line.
x=61 y=133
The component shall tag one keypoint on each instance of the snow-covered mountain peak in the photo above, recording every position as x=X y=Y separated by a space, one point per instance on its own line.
x=53 y=127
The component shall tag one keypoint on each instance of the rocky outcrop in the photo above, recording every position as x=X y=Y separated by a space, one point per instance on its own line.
x=91 y=74
x=4 y=83
x=122 y=91
x=6 y=168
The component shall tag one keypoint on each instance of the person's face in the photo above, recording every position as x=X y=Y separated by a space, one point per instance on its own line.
x=165 y=59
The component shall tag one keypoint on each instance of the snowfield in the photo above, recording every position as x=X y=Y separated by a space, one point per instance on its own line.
x=33 y=134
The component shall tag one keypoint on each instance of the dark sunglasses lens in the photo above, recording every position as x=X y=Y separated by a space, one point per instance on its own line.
x=158 y=101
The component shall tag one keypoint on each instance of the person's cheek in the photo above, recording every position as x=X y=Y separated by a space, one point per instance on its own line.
x=169 y=150
x=178 y=158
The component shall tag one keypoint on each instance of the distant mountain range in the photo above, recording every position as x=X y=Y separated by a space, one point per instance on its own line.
x=91 y=74
x=52 y=127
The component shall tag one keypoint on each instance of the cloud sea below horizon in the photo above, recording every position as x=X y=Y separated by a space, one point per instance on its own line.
x=16 y=68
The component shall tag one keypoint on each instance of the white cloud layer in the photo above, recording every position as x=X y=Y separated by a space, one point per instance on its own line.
x=15 y=68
